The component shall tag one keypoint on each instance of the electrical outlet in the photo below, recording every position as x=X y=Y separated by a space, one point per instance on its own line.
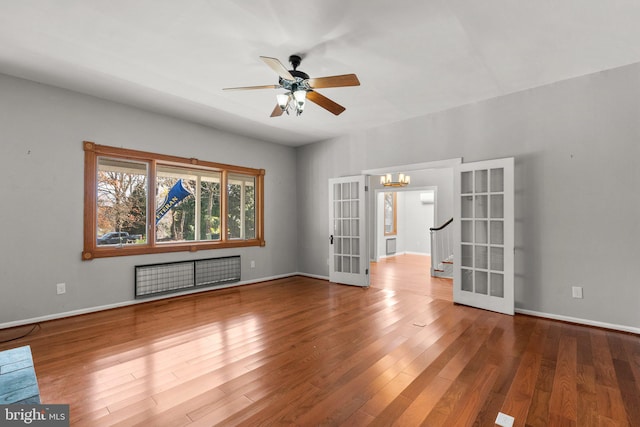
x=576 y=291
x=61 y=288
x=253 y=264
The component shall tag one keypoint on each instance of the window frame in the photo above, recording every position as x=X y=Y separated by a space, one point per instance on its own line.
x=92 y=250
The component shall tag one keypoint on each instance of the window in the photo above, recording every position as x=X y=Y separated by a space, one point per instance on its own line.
x=138 y=202
x=241 y=213
x=390 y=214
x=187 y=205
x=121 y=201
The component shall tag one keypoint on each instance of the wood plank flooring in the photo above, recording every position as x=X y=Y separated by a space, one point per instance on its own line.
x=302 y=351
x=409 y=273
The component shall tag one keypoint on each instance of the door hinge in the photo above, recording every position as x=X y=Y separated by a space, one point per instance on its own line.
x=366 y=272
x=366 y=188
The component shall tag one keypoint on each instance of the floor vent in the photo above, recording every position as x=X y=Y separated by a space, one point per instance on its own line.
x=155 y=279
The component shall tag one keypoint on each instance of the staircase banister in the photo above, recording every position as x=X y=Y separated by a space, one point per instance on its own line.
x=442 y=226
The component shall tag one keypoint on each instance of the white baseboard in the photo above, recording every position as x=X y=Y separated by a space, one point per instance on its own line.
x=580 y=321
x=313 y=276
x=403 y=253
x=391 y=255
x=134 y=302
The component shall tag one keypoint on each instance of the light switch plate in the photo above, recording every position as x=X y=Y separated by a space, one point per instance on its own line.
x=576 y=291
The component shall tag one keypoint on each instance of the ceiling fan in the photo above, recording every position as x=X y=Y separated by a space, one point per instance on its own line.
x=301 y=87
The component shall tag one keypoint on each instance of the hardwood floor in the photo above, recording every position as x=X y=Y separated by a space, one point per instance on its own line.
x=409 y=273
x=302 y=351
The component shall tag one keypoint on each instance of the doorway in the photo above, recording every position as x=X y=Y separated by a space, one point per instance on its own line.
x=411 y=271
x=402 y=221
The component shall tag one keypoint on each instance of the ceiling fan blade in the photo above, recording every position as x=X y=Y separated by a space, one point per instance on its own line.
x=325 y=102
x=277 y=66
x=277 y=111
x=334 y=81
x=253 y=87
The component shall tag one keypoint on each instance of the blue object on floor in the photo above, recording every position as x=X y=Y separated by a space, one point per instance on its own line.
x=18 y=383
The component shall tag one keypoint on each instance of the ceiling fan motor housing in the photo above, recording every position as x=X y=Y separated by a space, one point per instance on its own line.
x=300 y=82
x=299 y=74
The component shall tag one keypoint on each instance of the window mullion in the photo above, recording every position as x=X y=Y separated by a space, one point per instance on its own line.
x=197 y=236
x=242 y=219
x=224 y=192
x=151 y=203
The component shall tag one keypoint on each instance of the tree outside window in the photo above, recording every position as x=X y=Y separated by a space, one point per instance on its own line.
x=121 y=200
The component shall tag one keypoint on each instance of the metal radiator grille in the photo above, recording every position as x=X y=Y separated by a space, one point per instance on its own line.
x=217 y=270
x=170 y=277
x=391 y=246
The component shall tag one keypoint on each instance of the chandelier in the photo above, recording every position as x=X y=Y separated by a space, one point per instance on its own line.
x=402 y=181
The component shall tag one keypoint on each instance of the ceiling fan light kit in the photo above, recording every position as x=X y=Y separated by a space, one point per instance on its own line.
x=300 y=87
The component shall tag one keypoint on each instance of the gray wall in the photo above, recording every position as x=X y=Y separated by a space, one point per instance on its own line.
x=415 y=221
x=576 y=146
x=41 y=182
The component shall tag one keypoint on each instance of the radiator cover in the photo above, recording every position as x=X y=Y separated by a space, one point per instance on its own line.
x=391 y=246
x=170 y=277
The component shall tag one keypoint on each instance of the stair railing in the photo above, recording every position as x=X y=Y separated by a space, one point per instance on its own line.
x=441 y=246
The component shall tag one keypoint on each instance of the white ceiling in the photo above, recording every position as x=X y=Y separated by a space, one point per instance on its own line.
x=413 y=57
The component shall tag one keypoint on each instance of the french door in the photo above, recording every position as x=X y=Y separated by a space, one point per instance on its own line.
x=348 y=250
x=483 y=274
